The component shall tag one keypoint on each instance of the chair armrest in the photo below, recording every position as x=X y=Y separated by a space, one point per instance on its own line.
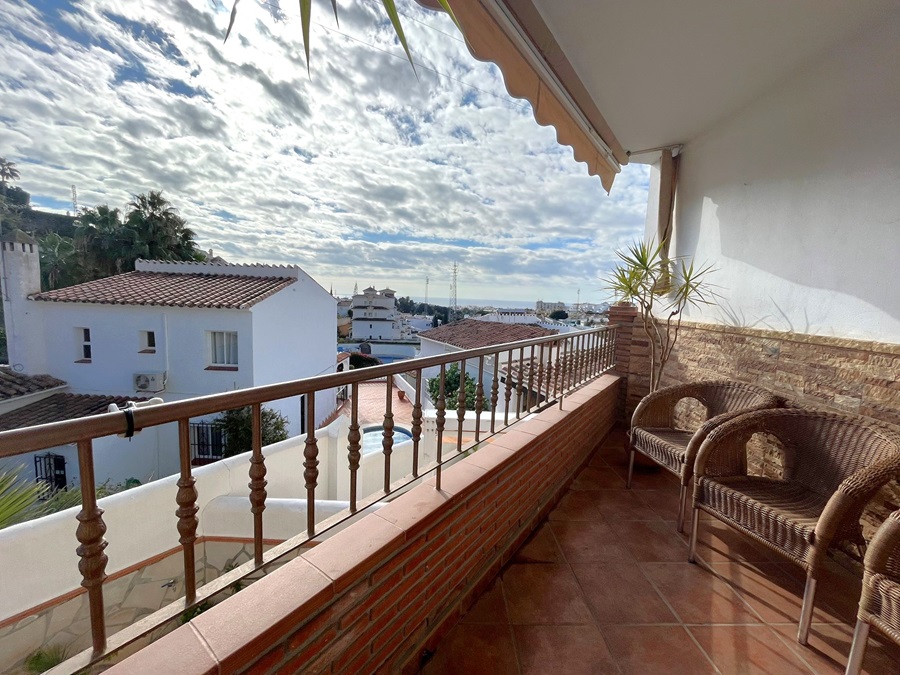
x=705 y=429
x=724 y=451
x=884 y=545
x=658 y=409
x=851 y=497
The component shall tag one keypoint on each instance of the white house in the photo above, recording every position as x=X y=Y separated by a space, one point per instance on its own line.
x=375 y=315
x=174 y=330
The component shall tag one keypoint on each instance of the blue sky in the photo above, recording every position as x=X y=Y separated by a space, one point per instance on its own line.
x=358 y=172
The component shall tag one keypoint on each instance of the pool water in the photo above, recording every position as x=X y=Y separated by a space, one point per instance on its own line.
x=373 y=436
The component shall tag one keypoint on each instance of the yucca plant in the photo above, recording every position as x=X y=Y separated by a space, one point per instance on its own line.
x=660 y=288
x=17 y=497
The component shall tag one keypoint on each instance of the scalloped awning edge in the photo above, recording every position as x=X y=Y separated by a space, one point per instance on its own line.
x=590 y=138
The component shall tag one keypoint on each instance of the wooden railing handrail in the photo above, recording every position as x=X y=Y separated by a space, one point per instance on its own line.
x=28 y=439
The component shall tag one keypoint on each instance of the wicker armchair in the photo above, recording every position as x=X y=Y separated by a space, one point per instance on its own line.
x=833 y=465
x=653 y=431
x=879 y=605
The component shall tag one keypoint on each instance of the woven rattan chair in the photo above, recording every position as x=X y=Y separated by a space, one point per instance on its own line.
x=879 y=605
x=833 y=465
x=654 y=434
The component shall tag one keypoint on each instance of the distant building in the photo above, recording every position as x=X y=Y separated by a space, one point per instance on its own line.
x=542 y=307
x=375 y=315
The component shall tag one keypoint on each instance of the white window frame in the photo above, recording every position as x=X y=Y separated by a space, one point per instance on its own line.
x=145 y=346
x=222 y=348
x=85 y=348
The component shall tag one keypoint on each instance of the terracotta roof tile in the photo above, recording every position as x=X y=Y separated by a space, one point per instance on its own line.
x=14 y=384
x=213 y=291
x=58 y=407
x=471 y=334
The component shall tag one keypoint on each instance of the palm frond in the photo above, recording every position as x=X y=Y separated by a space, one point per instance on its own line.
x=17 y=496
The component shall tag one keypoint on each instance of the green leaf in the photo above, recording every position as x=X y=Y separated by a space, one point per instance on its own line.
x=391 y=10
x=305 y=13
x=231 y=20
x=446 y=7
x=16 y=497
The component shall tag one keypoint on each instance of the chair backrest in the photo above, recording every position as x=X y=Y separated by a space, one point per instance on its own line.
x=822 y=449
x=726 y=396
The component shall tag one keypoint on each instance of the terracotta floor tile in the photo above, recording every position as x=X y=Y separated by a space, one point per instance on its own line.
x=717 y=542
x=840 y=589
x=541 y=547
x=623 y=505
x=575 y=506
x=586 y=541
x=614 y=456
x=651 y=540
x=697 y=595
x=619 y=593
x=573 y=650
x=645 y=650
x=655 y=478
x=485 y=649
x=592 y=478
x=773 y=594
x=829 y=647
x=748 y=650
x=489 y=608
x=664 y=503
x=543 y=594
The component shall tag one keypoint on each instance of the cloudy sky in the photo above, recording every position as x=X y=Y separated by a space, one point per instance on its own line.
x=359 y=172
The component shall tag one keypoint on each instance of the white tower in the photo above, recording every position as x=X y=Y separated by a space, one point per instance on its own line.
x=20 y=276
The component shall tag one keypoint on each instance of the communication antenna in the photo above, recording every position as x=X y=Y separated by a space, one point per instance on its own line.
x=454 y=305
x=74 y=201
x=426 y=295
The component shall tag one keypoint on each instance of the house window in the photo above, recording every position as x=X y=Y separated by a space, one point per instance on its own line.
x=83 y=339
x=223 y=350
x=148 y=342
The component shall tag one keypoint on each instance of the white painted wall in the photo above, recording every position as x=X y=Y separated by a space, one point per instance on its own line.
x=20 y=276
x=795 y=198
x=295 y=336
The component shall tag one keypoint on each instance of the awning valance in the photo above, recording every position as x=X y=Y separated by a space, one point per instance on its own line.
x=512 y=34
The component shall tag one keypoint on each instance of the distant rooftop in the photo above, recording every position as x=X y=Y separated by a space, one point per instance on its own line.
x=212 y=291
x=59 y=407
x=471 y=333
x=13 y=384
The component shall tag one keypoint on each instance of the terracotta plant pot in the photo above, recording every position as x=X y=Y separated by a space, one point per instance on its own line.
x=401 y=394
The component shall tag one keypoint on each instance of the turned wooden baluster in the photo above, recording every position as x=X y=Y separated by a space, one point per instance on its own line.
x=540 y=376
x=89 y=533
x=508 y=393
x=417 y=422
x=564 y=370
x=387 y=441
x=495 y=390
x=520 y=385
x=557 y=368
x=441 y=406
x=461 y=405
x=311 y=464
x=479 y=398
x=353 y=443
x=186 y=498
x=529 y=400
x=257 y=482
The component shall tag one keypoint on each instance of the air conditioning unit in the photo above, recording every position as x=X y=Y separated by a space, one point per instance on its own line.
x=149 y=381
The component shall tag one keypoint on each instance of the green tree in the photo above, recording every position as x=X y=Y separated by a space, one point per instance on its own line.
x=102 y=242
x=238 y=427
x=359 y=360
x=155 y=231
x=60 y=266
x=451 y=389
x=559 y=315
x=8 y=171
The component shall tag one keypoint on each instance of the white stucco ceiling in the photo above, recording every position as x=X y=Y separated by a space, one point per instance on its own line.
x=664 y=71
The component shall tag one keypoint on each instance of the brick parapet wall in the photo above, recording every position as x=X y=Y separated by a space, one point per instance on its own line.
x=374 y=595
x=630 y=339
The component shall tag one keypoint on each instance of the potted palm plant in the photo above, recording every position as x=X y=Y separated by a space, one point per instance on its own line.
x=660 y=288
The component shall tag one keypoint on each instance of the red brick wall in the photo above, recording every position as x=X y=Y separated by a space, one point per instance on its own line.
x=373 y=596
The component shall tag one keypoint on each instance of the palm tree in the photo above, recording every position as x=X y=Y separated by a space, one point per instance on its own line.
x=157 y=231
x=103 y=241
x=8 y=171
x=17 y=497
x=59 y=264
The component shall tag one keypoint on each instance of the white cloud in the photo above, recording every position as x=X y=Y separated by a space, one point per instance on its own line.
x=358 y=171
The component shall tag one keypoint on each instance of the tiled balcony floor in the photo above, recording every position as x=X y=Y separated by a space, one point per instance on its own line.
x=604 y=586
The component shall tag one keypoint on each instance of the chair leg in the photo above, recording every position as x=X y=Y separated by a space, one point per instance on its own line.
x=858 y=650
x=809 y=598
x=695 y=523
x=630 y=468
x=682 y=499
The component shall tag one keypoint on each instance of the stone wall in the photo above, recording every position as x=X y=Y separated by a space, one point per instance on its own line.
x=834 y=374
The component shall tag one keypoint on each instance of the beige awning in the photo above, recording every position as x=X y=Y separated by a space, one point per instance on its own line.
x=512 y=34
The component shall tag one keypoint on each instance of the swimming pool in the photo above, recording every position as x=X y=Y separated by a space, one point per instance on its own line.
x=373 y=436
